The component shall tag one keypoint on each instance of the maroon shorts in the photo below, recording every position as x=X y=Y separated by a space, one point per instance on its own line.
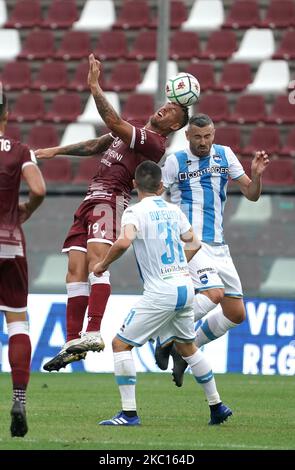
x=94 y=221
x=13 y=284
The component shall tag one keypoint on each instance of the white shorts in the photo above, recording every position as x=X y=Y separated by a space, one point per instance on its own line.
x=212 y=267
x=153 y=316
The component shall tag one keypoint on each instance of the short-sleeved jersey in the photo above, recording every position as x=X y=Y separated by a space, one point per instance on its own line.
x=116 y=168
x=157 y=246
x=14 y=156
x=199 y=185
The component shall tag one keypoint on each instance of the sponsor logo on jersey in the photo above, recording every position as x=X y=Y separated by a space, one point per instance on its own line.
x=142 y=136
x=187 y=175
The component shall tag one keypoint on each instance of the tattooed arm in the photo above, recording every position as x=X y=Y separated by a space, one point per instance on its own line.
x=113 y=121
x=82 y=149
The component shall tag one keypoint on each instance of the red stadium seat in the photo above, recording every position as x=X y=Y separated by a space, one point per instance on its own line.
x=38 y=45
x=230 y=136
x=279 y=173
x=249 y=108
x=246 y=163
x=184 y=45
x=134 y=14
x=26 y=14
x=289 y=148
x=263 y=138
x=138 y=108
x=220 y=45
x=280 y=14
x=215 y=105
x=243 y=14
x=178 y=15
x=16 y=76
x=204 y=73
x=235 y=77
x=125 y=76
x=286 y=48
x=58 y=170
x=111 y=45
x=13 y=131
x=145 y=46
x=61 y=14
x=282 y=111
x=79 y=81
x=42 y=136
x=28 y=107
x=86 y=170
x=51 y=76
x=74 y=45
x=65 y=108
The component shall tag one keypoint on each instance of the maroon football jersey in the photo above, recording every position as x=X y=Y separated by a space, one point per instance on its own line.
x=116 y=168
x=13 y=157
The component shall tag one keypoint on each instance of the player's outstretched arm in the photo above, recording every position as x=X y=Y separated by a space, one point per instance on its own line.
x=81 y=149
x=251 y=188
x=35 y=181
x=111 y=118
x=192 y=244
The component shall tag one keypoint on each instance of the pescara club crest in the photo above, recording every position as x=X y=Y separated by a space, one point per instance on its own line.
x=204 y=279
x=216 y=158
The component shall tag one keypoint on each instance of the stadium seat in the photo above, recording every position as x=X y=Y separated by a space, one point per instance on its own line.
x=138 y=108
x=272 y=76
x=125 y=76
x=280 y=280
x=251 y=213
x=178 y=15
x=230 y=136
x=215 y=105
x=13 y=131
x=51 y=76
x=65 y=108
x=235 y=77
x=61 y=14
x=28 y=107
x=52 y=275
x=221 y=45
x=77 y=133
x=286 y=48
x=90 y=114
x=11 y=37
x=279 y=173
x=243 y=14
x=57 y=170
x=184 y=45
x=264 y=138
x=145 y=46
x=250 y=272
x=282 y=111
x=38 y=45
x=204 y=72
x=16 y=76
x=205 y=15
x=250 y=109
x=280 y=14
x=26 y=14
x=134 y=14
x=255 y=46
x=79 y=81
x=289 y=148
x=3 y=13
x=149 y=83
x=74 y=45
x=86 y=170
x=96 y=16
x=42 y=136
x=111 y=45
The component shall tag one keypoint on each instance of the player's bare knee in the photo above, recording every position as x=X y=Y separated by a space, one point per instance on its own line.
x=120 y=346
x=215 y=295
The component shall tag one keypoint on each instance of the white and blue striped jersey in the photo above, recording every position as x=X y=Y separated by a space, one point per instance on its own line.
x=157 y=246
x=198 y=186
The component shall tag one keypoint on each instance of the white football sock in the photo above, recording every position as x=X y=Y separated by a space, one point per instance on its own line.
x=203 y=374
x=202 y=305
x=213 y=327
x=125 y=374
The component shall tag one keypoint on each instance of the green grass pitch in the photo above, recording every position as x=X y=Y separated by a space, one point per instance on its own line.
x=63 y=411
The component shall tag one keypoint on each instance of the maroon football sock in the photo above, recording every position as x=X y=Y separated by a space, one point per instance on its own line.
x=19 y=355
x=76 y=308
x=98 y=299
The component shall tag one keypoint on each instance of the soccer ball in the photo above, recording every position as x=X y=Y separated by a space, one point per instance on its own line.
x=183 y=89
